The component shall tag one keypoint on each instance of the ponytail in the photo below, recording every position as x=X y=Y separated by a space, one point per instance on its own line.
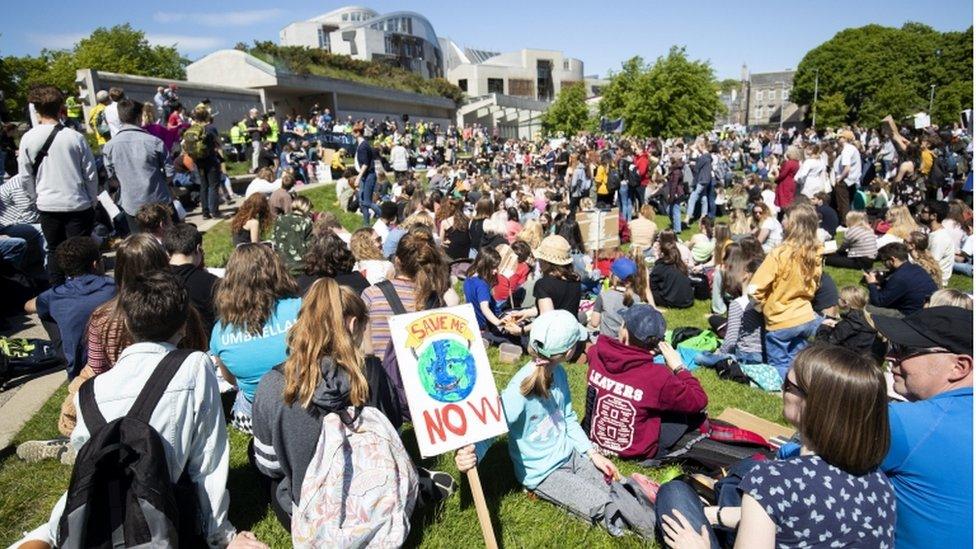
x=538 y=382
x=419 y=259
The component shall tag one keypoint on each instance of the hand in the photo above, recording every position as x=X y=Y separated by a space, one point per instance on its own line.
x=831 y=322
x=246 y=540
x=678 y=534
x=870 y=277
x=465 y=459
x=604 y=465
x=671 y=357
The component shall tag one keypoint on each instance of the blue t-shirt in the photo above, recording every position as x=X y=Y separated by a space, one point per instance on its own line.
x=249 y=356
x=70 y=305
x=477 y=290
x=930 y=464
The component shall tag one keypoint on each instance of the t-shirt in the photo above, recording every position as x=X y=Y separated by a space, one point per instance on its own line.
x=850 y=156
x=365 y=157
x=476 y=291
x=375 y=270
x=250 y=356
x=944 y=252
x=814 y=504
x=671 y=287
x=642 y=233
x=565 y=294
x=609 y=304
x=775 y=233
x=828 y=219
x=930 y=465
x=199 y=286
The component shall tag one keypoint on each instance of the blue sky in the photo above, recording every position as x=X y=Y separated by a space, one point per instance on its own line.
x=765 y=35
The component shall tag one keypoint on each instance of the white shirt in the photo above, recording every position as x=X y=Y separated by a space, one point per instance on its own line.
x=888 y=238
x=942 y=249
x=381 y=229
x=775 y=235
x=813 y=176
x=769 y=197
x=112 y=118
x=189 y=418
x=398 y=158
x=849 y=156
x=263 y=186
x=375 y=270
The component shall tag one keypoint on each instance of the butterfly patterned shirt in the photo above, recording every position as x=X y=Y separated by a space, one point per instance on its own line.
x=814 y=504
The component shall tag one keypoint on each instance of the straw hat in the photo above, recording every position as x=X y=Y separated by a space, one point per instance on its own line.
x=553 y=249
x=846 y=134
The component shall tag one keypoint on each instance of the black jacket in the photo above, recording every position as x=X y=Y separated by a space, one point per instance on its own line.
x=854 y=332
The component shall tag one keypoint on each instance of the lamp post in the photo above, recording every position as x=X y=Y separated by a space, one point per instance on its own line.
x=931 y=98
x=816 y=90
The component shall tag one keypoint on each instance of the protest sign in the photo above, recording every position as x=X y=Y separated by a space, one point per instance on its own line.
x=449 y=386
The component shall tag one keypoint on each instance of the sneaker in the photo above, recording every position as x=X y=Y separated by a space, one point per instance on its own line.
x=648 y=486
x=36 y=450
x=443 y=482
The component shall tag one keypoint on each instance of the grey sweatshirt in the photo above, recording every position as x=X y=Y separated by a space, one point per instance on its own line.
x=67 y=180
x=137 y=159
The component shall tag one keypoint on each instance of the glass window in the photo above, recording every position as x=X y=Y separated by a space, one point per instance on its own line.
x=565 y=64
x=496 y=85
x=463 y=84
x=345 y=16
x=759 y=95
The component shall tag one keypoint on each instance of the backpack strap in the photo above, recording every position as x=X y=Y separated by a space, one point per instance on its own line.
x=392 y=297
x=146 y=402
x=42 y=154
x=93 y=417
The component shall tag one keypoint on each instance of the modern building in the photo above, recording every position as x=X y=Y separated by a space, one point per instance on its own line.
x=403 y=38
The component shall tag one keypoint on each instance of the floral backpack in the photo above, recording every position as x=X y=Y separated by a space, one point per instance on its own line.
x=360 y=487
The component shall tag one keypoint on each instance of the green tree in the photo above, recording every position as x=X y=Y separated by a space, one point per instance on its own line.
x=831 y=111
x=884 y=70
x=676 y=96
x=728 y=85
x=621 y=86
x=568 y=114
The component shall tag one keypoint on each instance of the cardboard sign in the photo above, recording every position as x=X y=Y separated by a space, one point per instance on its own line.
x=599 y=229
x=775 y=433
x=447 y=379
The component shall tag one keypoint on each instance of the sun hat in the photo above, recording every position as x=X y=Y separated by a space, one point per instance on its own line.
x=555 y=332
x=553 y=249
x=643 y=322
x=623 y=268
x=948 y=327
x=846 y=134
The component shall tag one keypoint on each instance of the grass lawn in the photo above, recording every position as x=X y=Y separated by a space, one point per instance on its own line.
x=28 y=491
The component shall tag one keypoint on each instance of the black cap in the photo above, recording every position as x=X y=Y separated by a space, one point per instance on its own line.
x=947 y=327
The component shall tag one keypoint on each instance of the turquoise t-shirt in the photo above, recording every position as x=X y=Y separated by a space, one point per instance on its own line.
x=249 y=356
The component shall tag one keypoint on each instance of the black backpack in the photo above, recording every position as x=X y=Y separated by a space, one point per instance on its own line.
x=613 y=180
x=633 y=176
x=120 y=493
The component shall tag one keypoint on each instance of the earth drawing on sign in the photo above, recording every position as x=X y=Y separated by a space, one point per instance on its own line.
x=447 y=370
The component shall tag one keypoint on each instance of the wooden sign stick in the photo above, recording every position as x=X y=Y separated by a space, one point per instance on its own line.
x=482 y=508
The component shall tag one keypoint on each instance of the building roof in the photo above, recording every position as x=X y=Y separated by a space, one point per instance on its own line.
x=767 y=78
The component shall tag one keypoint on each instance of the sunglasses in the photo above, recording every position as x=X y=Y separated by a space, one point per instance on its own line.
x=790 y=386
x=901 y=353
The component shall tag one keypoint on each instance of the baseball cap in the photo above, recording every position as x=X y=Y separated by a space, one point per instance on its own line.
x=623 y=268
x=643 y=322
x=555 y=332
x=947 y=327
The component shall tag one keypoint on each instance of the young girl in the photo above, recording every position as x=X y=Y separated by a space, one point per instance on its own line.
x=551 y=453
x=669 y=276
x=619 y=295
x=855 y=329
x=860 y=245
x=918 y=249
x=508 y=292
x=477 y=291
x=743 y=329
x=365 y=246
x=251 y=221
x=784 y=286
x=767 y=229
x=702 y=243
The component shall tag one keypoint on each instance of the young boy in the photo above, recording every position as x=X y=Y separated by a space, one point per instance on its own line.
x=184 y=244
x=188 y=416
x=70 y=304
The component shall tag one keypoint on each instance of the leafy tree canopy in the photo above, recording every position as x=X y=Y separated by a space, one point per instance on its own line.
x=568 y=114
x=883 y=70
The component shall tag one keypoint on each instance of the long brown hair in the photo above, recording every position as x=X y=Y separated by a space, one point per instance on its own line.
x=254 y=281
x=255 y=207
x=918 y=249
x=419 y=259
x=640 y=279
x=800 y=236
x=845 y=410
x=321 y=331
x=723 y=237
x=669 y=252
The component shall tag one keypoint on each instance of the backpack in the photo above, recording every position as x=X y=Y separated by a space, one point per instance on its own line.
x=193 y=142
x=613 y=180
x=101 y=124
x=120 y=490
x=360 y=486
x=713 y=447
x=633 y=176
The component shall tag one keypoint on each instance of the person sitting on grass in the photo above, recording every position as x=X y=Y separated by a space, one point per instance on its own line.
x=281 y=198
x=619 y=295
x=905 y=287
x=670 y=284
x=860 y=245
x=930 y=462
x=291 y=234
x=251 y=221
x=188 y=416
x=513 y=272
x=366 y=247
x=831 y=493
x=477 y=291
x=666 y=401
x=154 y=218
x=855 y=329
x=256 y=303
x=743 y=328
x=328 y=256
x=69 y=305
x=184 y=244
x=550 y=452
x=950 y=297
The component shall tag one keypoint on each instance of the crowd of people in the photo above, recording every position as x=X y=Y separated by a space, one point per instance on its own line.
x=876 y=377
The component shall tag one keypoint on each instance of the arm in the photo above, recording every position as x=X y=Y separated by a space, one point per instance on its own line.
x=254 y=228
x=732 y=327
x=224 y=372
x=756 y=529
x=265 y=457
x=544 y=305
x=489 y=314
x=762 y=282
x=683 y=392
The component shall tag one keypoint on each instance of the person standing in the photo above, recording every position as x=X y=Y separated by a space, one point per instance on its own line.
x=137 y=159
x=61 y=175
x=849 y=173
x=253 y=127
x=112 y=110
x=366 y=174
x=96 y=118
x=73 y=113
x=207 y=159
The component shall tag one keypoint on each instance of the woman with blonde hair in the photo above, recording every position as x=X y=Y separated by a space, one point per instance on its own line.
x=918 y=250
x=860 y=245
x=531 y=233
x=950 y=297
x=365 y=246
x=766 y=228
x=255 y=304
x=325 y=372
x=784 y=286
x=901 y=223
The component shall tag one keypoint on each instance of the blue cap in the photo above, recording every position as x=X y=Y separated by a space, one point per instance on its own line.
x=623 y=268
x=556 y=332
x=643 y=322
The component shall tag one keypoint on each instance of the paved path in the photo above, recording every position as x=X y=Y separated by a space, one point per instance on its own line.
x=22 y=397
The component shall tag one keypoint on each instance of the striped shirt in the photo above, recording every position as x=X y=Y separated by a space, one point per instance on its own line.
x=16 y=204
x=743 y=331
x=380 y=311
x=860 y=241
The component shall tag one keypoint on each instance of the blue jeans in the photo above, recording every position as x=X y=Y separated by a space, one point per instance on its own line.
x=366 y=188
x=706 y=358
x=625 y=206
x=698 y=194
x=12 y=250
x=36 y=247
x=678 y=496
x=963 y=268
x=674 y=212
x=783 y=345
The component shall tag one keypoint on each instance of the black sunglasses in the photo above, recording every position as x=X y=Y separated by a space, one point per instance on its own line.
x=789 y=386
x=901 y=353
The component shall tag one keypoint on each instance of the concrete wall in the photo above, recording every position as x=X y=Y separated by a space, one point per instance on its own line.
x=517 y=65
x=232 y=66
x=301 y=33
x=230 y=104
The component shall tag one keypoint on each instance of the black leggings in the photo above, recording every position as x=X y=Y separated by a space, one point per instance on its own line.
x=842 y=261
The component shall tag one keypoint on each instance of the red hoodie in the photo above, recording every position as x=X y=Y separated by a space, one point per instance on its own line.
x=631 y=395
x=642 y=163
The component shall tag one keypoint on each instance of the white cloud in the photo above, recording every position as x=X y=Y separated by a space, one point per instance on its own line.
x=184 y=42
x=56 y=41
x=219 y=19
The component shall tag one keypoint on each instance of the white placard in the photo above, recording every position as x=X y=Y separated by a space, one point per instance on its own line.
x=447 y=379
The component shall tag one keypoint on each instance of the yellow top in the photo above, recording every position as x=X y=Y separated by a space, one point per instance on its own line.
x=784 y=297
x=601 y=180
x=93 y=123
x=927 y=159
